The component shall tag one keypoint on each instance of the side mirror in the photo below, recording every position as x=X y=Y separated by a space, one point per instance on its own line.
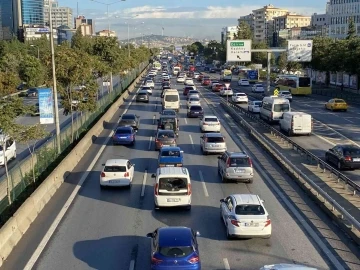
x=222 y=200
x=153 y=175
x=138 y=116
x=150 y=235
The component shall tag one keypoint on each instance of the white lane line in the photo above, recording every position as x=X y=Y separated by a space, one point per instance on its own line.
x=203 y=184
x=40 y=248
x=143 y=184
x=185 y=121
x=150 y=141
x=348 y=120
x=324 y=139
x=153 y=119
x=192 y=142
x=132 y=265
x=226 y=264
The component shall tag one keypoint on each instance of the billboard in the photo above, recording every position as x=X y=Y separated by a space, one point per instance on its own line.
x=238 y=51
x=299 y=50
x=253 y=75
x=46 y=106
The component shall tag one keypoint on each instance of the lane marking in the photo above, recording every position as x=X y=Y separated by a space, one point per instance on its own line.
x=203 y=184
x=192 y=142
x=132 y=265
x=226 y=264
x=185 y=121
x=154 y=120
x=348 y=120
x=150 y=141
x=143 y=184
x=40 y=248
x=324 y=139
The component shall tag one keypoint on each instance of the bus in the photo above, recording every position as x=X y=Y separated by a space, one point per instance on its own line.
x=296 y=85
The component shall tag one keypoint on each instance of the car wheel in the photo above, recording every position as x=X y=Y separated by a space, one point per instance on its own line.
x=339 y=166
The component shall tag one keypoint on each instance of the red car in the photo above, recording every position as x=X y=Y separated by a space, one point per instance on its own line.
x=187 y=89
x=217 y=87
x=206 y=81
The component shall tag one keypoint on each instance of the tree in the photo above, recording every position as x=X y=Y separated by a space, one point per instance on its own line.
x=81 y=42
x=259 y=57
x=351 y=29
x=283 y=63
x=32 y=71
x=243 y=31
x=8 y=83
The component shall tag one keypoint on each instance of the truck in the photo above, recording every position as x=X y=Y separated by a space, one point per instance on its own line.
x=253 y=75
x=226 y=75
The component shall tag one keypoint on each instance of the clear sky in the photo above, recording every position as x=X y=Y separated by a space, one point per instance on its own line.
x=194 y=18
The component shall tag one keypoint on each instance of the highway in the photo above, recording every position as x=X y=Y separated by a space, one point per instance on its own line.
x=105 y=229
x=330 y=128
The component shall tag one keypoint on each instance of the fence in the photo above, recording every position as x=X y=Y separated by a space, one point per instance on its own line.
x=21 y=175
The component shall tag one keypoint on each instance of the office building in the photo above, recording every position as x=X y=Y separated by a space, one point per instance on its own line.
x=60 y=15
x=65 y=33
x=291 y=20
x=249 y=20
x=264 y=23
x=32 y=12
x=10 y=18
x=87 y=25
x=228 y=33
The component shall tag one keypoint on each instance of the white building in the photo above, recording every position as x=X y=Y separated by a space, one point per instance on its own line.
x=291 y=20
x=228 y=33
x=60 y=15
x=339 y=13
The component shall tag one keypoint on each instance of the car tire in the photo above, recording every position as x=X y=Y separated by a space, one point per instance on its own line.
x=156 y=208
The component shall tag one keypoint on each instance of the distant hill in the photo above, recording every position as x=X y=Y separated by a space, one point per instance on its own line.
x=160 y=38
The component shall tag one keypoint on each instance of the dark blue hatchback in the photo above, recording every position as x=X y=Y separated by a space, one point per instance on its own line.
x=174 y=248
x=124 y=135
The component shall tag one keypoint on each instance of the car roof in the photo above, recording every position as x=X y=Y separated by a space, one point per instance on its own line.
x=240 y=94
x=175 y=236
x=165 y=131
x=213 y=134
x=128 y=114
x=210 y=116
x=167 y=116
x=116 y=162
x=143 y=91
x=124 y=127
x=237 y=154
x=247 y=199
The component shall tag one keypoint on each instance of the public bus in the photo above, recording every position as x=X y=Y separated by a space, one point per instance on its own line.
x=297 y=85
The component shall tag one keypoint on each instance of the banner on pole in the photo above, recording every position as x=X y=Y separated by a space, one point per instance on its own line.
x=46 y=106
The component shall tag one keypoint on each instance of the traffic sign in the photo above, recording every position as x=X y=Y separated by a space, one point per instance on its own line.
x=227 y=85
x=276 y=92
x=299 y=50
x=238 y=51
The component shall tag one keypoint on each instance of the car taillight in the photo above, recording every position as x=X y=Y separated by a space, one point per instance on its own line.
x=267 y=223
x=234 y=222
x=189 y=189
x=126 y=174
x=155 y=260
x=250 y=162
x=194 y=259
x=347 y=158
x=156 y=190
x=102 y=174
x=228 y=163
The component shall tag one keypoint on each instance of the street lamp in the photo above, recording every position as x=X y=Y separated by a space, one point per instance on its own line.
x=38 y=50
x=128 y=36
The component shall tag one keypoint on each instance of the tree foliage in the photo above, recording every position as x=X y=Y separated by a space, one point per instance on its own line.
x=243 y=31
x=351 y=29
x=32 y=71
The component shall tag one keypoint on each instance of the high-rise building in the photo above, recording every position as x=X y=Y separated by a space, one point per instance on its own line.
x=248 y=19
x=10 y=18
x=228 y=33
x=60 y=15
x=291 y=20
x=32 y=12
x=87 y=25
x=264 y=24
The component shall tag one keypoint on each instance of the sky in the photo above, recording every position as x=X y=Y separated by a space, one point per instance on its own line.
x=183 y=18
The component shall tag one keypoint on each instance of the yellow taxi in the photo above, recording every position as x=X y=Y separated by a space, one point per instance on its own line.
x=336 y=104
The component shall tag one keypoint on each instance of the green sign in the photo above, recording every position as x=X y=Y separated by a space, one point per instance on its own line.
x=237 y=44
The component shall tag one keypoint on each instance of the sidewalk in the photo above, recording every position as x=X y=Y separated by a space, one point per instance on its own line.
x=348 y=94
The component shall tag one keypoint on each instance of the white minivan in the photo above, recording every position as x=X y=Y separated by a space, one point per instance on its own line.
x=296 y=123
x=171 y=100
x=273 y=108
x=172 y=187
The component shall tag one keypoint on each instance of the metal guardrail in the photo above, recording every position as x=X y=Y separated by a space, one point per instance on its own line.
x=233 y=111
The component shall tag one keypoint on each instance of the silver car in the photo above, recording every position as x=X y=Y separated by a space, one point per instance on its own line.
x=235 y=166
x=212 y=143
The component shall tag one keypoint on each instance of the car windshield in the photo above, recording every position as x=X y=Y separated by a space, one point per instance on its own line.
x=193 y=92
x=194 y=99
x=149 y=82
x=241 y=95
x=142 y=94
x=123 y=131
x=128 y=117
x=258 y=103
x=196 y=108
x=170 y=153
x=339 y=101
x=239 y=162
x=171 y=98
x=165 y=134
x=215 y=139
x=167 y=120
x=211 y=119
x=165 y=112
x=249 y=209
x=281 y=107
x=145 y=88
x=115 y=169
x=172 y=184
x=175 y=252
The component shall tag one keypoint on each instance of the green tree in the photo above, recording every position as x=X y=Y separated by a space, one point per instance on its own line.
x=8 y=83
x=259 y=57
x=32 y=71
x=243 y=31
x=351 y=29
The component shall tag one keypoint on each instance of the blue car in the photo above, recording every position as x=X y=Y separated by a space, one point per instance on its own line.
x=171 y=156
x=174 y=248
x=124 y=135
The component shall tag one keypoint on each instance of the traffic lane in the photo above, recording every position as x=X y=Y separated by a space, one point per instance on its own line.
x=100 y=229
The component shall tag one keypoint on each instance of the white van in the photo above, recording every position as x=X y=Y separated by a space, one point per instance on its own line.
x=176 y=70
x=171 y=100
x=273 y=108
x=172 y=187
x=296 y=123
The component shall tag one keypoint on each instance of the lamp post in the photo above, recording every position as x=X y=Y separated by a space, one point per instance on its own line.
x=128 y=33
x=38 y=50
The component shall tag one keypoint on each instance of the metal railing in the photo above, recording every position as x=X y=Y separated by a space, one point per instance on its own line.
x=21 y=176
x=234 y=110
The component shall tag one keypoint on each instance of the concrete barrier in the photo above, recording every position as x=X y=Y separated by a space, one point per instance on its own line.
x=12 y=231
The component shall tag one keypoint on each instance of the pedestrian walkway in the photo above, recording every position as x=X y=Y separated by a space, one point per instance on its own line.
x=350 y=95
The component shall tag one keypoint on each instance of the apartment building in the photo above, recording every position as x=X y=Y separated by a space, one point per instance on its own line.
x=264 y=22
x=291 y=20
x=339 y=14
x=60 y=15
x=87 y=25
x=248 y=19
x=228 y=33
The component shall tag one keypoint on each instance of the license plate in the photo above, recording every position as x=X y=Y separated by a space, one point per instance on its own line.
x=251 y=224
x=114 y=181
x=169 y=165
x=240 y=171
x=356 y=159
x=196 y=112
x=173 y=200
x=123 y=137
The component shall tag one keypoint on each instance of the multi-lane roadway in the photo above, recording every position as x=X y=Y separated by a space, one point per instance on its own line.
x=106 y=229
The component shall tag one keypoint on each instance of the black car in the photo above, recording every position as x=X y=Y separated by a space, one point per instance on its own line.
x=344 y=156
x=22 y=86
x=130 y=119
x=166 y=83
x=195 y=111
x=142 y=96
x=212 y=70
x=169 y=122
x=32 y=92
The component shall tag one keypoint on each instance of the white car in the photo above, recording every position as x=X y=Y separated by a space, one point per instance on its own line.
x=193 y=100
x=245 y=216
x=239 y=98
x=151 y=73
x=117 y=172
x=286 y=266
x=150 y=83
x=258 y=88
x=285 y=94
x=192 y=93
x=243 y=82
x=226 y=92
x=10 y=149
x=196 y=75
x=254 y=106
x=166 y=77
x=180 y=79
x=148 y=89
x=210 y=123
x=189 y=82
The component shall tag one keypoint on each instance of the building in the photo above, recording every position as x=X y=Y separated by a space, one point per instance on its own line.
x=228 y=33
x=263 y=22
x=106 y=33
x=319 y=20
x=87 y=25
x=305 y=33
x=60 y=15
x=10 y=18
x=249 y=20
x=339 y=13
x=291 y=20
x=65 y=33
x=32 y=12
x=30 y=33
